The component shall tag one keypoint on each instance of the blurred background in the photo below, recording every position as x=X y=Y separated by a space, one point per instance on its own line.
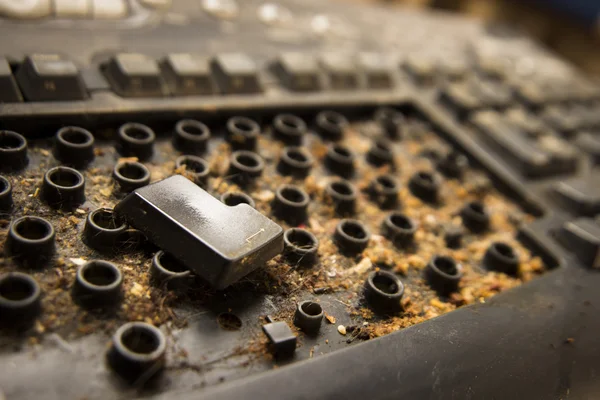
x=570 y=27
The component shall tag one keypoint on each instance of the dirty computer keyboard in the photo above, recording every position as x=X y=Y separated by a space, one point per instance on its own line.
x=305 y=199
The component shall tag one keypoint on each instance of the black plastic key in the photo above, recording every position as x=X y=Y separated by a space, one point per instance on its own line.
x=218 y=242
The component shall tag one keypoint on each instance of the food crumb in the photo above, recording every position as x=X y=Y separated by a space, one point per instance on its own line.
x=330 y=319
x=342 y=330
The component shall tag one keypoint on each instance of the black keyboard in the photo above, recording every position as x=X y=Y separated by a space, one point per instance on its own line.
x=304 y=199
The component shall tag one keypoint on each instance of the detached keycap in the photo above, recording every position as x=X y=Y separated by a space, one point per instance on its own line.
x=298 y=72
x=282 y=341
x=188 y=74
x=134 y=75
x=218 y=242
x=9 y=92
x=49 y=77
x=236 y=73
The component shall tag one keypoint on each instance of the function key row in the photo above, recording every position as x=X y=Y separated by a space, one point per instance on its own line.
x=51 y=77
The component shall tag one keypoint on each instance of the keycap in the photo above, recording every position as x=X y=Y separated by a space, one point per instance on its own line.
x=236 y=73
x=157 y=4
x=461 y=99
x=453 y=68
x=49 y=77
x=492 y=94
x=561 y=119
x=219 y=243
x=341 y=71
x=188 y=74
x=376 y=68
x=9 y=92
x=25 y=9
x=530 y=93
x=109 y=9
x=493 y=66
x=298 y=71
x=527 y=122
x=72 y=8
x=590 y=143
x=582 y=237
x=548 y=156
x=581 y=195
x=134 y=75
x=421 y=68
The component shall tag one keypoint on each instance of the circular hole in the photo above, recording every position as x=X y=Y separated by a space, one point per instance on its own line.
x=301 y=239
x=385 y=284
x=342 y=188
x=33 y=229
x=293 y=195
x=99 y=274
x=74 y=136
x=170 y=263
x=16 y=289
x=477 y=207
x=505 y=250
x=354 y=230
x=106 y=219
x=192 y=129
x=235 y=198
x=333 y=118
x=425 y=176
x=401 y=221
x=140 y=340
x=341 y=151
x=193 y=165
x=311 y=308
x=9 y=141
x=382 y=145
x=244 y=126
x=229 y=321
x=4 y=185
x=386 y=181
x=132 y=171
x=247 y=160
x=446 y=265
x=64 y=177
x=297 y=155
x=389 y=113
x=289 y=121
x=137 y=133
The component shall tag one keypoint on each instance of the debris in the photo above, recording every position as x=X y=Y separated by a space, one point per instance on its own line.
x=137 y=290
x=342 y=330
x=321 y=290
x=78 y=261
x=330 y=319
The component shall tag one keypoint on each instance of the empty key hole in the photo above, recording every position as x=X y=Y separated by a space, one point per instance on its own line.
x=33 y=229
x=100 y=274
x=140 y=340
x=65 y=178
x=9 y=141
x=15 y=288
x=311 y=308
x=385 y=284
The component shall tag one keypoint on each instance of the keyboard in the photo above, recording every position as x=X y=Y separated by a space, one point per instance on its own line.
x=302 y=199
